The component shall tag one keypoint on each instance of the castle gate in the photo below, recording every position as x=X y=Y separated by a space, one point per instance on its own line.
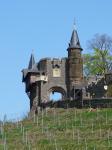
x=58 y=90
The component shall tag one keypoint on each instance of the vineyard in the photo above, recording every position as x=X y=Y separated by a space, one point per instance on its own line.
x=59 y=129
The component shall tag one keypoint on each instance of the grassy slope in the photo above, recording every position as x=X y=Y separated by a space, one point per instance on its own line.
x=60 y=129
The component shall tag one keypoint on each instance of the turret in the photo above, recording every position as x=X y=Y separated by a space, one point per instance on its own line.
x=75 y=63
x=29 y=73
x=33 y=77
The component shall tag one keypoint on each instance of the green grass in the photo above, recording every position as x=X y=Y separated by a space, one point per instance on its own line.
x=60 y=129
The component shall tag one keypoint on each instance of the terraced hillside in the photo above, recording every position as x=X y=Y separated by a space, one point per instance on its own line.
x=60 y=129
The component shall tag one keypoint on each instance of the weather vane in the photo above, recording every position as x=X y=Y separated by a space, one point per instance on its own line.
x=32 y=51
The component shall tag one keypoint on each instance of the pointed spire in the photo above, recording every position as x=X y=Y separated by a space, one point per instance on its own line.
x=74 y=42
x=31 y=62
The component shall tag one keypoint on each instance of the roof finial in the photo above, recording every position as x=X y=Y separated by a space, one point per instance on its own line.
x=32 y=51
x=74 y=24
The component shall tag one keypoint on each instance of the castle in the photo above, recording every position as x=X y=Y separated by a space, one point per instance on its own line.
x=54 y=75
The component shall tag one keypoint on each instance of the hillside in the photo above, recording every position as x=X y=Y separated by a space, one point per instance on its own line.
x=60 y=129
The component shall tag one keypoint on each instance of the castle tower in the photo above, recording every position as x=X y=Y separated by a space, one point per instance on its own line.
x=29 y=78
x=75 y=65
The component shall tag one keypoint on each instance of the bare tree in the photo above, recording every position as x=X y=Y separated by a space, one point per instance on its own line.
x=101 y=42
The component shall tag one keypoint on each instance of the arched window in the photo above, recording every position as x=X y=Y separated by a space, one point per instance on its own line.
x=56 y=66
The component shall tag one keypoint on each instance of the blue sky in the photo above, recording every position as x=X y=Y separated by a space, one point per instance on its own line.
x=45 y=26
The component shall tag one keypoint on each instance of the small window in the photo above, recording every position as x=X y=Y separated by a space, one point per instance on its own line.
x=43 y=73
x=56 y=66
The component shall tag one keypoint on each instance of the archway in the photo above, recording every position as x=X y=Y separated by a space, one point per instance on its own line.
x=57 y=93
x=55 y=96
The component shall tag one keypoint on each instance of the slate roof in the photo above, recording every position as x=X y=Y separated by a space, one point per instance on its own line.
x=74 y=42
x=32 y=67
x=31 y=62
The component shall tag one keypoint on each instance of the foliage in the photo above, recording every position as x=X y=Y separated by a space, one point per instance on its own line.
x=100 y=61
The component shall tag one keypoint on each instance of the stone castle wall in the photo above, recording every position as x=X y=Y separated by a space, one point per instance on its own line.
x=55 y=69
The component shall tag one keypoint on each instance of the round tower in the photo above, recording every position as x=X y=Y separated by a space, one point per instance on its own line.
x=75 y=65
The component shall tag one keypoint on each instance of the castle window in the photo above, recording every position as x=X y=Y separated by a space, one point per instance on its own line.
x=56 y=66
x=43 y=73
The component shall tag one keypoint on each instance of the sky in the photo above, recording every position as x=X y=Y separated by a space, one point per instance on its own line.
x=44 y=26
